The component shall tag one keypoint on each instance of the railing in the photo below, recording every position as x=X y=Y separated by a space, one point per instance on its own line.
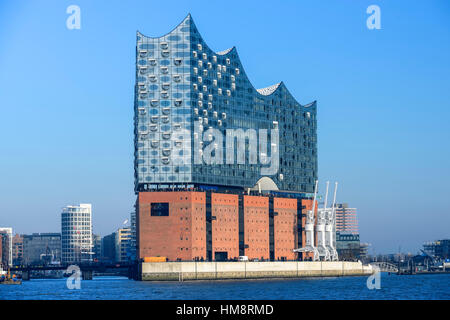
x=385 y=266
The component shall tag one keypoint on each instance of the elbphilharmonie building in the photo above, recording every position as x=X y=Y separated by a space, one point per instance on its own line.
x=222 y=170
x=183 y=89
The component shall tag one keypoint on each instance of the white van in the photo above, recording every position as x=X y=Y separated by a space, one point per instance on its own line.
x=243 y=258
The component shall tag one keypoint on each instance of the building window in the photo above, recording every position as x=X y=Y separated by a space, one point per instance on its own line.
x=160 y=209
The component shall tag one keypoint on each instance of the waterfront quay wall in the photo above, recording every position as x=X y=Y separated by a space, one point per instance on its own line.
x=181 y=271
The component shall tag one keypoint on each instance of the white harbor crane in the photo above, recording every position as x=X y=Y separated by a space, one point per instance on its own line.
x=309 y=230
x=322 y=248
x=330 y=226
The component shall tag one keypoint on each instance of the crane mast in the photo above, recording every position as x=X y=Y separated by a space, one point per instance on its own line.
x=330 y=228
x=324 y=253
x=309 y=229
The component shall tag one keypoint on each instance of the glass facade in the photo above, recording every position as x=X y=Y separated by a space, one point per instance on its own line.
x=181 y=86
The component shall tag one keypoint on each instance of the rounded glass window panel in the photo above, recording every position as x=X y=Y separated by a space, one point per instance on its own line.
x=174 y=38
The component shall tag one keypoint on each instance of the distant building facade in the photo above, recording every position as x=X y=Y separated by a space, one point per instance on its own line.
x=348 y=246
x=6 y=244
x=42 y=248
x=76 y=232
x=439 y=248
x=97 y=247
x=17 y=250
x=1 y=251
x=364 y=251
x=133 y=235
x=123 y=245
x=109 y=248
x=346 y=219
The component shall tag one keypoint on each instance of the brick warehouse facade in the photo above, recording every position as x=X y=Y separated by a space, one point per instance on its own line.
x=285 y=228
x=171 y=224
x=213 y=226
x=225 y=226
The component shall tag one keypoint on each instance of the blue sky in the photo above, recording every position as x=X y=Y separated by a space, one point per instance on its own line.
x=66 y=103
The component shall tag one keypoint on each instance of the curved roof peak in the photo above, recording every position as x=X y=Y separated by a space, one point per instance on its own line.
x=270 y=89
x=189 y=21
x=187 y=18
x=224 y=52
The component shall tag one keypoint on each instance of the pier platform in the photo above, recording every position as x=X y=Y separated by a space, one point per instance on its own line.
x=183 y=271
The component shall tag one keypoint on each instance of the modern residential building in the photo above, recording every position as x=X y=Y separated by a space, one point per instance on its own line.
x=6 y=244
x=17 y=250
x=346 y=219
x=42 y=248
x=76 y=231
x=348 y=244
x=123 y=245
x=222 y=169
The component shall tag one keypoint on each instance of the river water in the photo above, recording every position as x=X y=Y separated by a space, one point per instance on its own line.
x=354 y=288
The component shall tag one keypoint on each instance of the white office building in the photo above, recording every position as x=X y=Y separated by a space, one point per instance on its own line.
x=76 y=234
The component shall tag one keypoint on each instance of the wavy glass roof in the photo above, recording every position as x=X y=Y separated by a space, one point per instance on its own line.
x=263 y=91
x=183 y=84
